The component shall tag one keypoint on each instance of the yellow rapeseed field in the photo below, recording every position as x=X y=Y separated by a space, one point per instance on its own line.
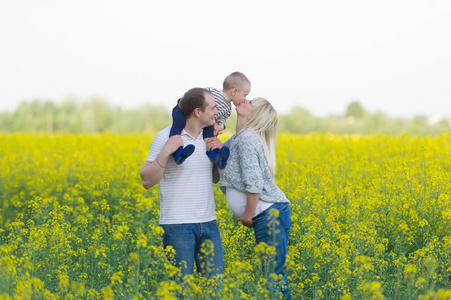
x=371 y=220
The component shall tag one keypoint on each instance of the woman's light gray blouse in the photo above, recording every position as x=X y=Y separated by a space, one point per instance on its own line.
x=247 y=170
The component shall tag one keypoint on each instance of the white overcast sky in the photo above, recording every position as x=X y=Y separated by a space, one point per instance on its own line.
x=390 y=55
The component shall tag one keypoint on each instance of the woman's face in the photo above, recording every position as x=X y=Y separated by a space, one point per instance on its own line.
x=244 y=110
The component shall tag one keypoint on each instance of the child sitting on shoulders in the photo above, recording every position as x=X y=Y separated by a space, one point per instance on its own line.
x=236 y=87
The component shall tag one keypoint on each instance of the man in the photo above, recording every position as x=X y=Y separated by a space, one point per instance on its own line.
x=187 y=208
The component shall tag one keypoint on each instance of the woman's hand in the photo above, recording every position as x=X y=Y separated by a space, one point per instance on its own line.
x=251 y=203
x=246 y=221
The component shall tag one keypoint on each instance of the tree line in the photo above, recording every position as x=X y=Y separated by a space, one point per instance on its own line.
x=97 y=115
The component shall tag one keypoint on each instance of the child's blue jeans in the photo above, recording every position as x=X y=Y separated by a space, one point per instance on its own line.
x=179 y=122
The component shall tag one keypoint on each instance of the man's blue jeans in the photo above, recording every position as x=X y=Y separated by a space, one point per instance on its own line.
x=274 y=231
x=187 y=241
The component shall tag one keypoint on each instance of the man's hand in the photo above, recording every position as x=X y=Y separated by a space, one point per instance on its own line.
x=152 y=172
x=214 y=143
x=218 y=128
x=172 y=144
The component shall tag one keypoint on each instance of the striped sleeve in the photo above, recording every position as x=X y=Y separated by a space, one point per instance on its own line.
x=224 y=108
x=158 y=144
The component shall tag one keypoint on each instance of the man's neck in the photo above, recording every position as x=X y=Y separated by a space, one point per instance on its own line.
x=193 y=127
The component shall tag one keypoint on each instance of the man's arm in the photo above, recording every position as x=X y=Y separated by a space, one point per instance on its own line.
x=152 y=172
x=214 y=143
x=215 y=174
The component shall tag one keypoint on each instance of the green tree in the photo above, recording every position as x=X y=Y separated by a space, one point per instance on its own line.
x=419 y=125
x=6 y=120
x=376 y=123
x=96 y=115
x=67 y=117
x=354 y=110
x=299 y=120
x=32 y=116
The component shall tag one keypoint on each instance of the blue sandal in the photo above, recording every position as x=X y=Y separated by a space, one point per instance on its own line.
x=182 y=153
x=219 y=157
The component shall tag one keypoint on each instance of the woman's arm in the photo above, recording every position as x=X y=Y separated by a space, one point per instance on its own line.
x=251 y=204
x=250 y=153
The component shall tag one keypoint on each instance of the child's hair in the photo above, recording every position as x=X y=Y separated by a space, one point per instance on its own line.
x=263 y=122
x=235 y=80
x=194 y=98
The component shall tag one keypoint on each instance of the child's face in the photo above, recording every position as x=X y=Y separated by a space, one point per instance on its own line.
x=241 y=94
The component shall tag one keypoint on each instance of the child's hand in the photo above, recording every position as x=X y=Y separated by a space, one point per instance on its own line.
x=218 y=128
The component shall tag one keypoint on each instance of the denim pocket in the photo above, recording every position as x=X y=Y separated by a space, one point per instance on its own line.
x=261 y=216
x=285 y=217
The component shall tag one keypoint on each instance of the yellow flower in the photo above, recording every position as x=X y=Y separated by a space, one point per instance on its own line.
x=107 y=293
x=116 y=278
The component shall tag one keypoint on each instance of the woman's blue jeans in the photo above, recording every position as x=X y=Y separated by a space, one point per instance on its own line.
x=187 y=241
x=274 y=231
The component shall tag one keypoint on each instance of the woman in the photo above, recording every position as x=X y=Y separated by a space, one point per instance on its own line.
x=249 y=185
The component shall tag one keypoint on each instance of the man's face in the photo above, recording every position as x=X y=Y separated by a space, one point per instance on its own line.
x=207 y=117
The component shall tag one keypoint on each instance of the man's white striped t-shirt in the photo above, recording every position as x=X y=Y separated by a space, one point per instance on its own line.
x=224 y=108
x=186 y=190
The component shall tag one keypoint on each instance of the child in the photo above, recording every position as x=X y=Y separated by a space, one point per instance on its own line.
x=236 y=87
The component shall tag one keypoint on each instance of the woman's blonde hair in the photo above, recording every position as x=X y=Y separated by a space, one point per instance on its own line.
x=263 y=122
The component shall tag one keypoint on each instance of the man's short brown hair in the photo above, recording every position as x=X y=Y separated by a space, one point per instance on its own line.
x=194 y=98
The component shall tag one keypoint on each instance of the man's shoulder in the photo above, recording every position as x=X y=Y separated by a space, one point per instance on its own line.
x=164 y=132
x=157 y=144
x=162 y=135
